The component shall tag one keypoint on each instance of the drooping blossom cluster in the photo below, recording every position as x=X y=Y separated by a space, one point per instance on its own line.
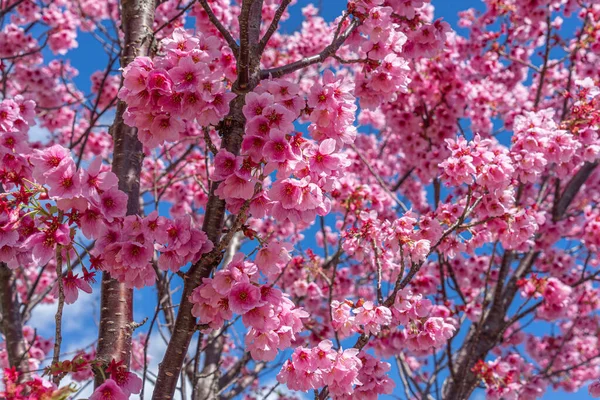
x=90 y=200
x=126 y=249
x=17 y=388
x=538 y=143
x=272 y=319
x=186 y=83
x=557 y=296
x=425 y=325
x=322 y=365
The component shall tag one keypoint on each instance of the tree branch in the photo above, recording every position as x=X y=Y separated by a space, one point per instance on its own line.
x=273 y=27
x=572 y=189
x=327 y=52
x=215 y=21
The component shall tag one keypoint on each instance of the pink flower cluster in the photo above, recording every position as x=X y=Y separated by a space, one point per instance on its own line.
x=126 y=248
x=383 y=83
x=322 y=365
x=14 y=41
x=414 y=244
x=106 y=88
x=272 y=258
x=400 y=236
x=372 y=317
x=270 y=112
x=373 y=378
x=557 y=296
x=510 y=377
x=271 y=317
x=333 y=109
x=88 y=199
x=591 y=229
x=518 y=228
x=63 y=28
x=538 y=143
x=480 y=161
x=422 y=329
x=187 y=83
x=121 y=384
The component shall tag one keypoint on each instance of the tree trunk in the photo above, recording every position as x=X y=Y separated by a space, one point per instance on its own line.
x=232 y=130
x=116 y=312
x=11 y=324
x=481 y=340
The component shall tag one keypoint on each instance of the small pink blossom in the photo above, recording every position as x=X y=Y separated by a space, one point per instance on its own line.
x=243 y=297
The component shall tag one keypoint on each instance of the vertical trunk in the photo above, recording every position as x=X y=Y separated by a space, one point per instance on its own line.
x=11 y=325
x=478 y=344
x=116 y=312
x=185 y=324
x=233 y=133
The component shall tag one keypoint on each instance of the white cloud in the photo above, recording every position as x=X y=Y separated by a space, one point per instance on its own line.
x=39 y=134
x=79 y=317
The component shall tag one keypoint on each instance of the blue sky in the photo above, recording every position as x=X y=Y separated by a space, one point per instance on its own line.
x=88 y=58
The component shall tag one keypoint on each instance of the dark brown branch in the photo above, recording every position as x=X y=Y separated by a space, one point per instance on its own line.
x=232 y=131
x=544 y=70
x=572 y=189
x=273 y=27
x=327 y=52
x=215 y=21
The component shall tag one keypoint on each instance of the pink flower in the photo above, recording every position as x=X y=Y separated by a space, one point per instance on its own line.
x=278 y=148
x=91 y=223
x=287 y=191
x=323 y=159
x=43 y=244
x=252 y=146
x=225 y=165
x=8 y=115
x=187 y=74
x=323 y=355
x=256 y=104
x=258 y=126
x=64 y=181
x=154 y=227
x=109 y=390
x=181 y=42
x=129 y=382
x=279 y=117
x=271 y=258
x=166 y=128
x=71 y=286
x=210 y=307
x=96 y=180
x=236 y=187
x=243 y=297
x=113 y=204
x=302 y=359
x=136 y=73
x=594 y=388
x=373 y=318
x=262 y=345
x=159 y=81
x=135 y=255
